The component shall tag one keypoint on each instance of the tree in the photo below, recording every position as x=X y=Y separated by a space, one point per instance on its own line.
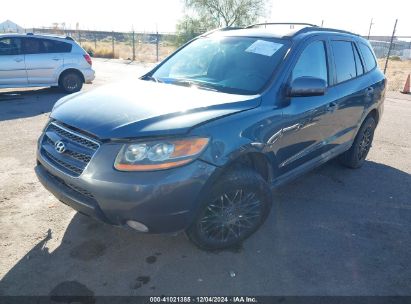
x=227 y=12
x=209 y=14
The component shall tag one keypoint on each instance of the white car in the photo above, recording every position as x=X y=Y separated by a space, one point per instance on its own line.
x=28 y=60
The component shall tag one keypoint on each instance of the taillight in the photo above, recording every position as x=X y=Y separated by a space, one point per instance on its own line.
x=88 y=59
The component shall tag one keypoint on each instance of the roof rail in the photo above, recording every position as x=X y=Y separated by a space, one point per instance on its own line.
x=221 y=29
x=321 y=29
x=281 y=23
x=52 y=36
x=308 y=28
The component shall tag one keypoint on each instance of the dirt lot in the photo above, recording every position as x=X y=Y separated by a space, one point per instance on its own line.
x=397 y=73
x=334 y=231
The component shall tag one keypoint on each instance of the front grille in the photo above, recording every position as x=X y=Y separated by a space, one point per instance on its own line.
x=79 y=149
x=81 y=190
x=80 y=139
x=63 y=164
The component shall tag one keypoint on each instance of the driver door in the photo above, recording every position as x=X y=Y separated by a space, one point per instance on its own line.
x=308 y=119
x=12 y=66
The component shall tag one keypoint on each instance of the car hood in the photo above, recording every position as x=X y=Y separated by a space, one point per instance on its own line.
x=144 y=108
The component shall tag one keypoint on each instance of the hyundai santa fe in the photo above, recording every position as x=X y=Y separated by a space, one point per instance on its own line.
x=42 y=60
x=198 y=143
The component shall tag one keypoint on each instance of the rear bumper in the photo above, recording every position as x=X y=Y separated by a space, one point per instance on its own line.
x=164 y=201
x=89 y=75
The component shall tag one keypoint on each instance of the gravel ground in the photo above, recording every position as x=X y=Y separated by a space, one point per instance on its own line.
x=334 y=231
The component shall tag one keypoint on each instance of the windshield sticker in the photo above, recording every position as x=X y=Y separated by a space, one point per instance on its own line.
x=262 y=47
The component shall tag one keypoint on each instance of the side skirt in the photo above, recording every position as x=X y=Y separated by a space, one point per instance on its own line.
x=310 y=165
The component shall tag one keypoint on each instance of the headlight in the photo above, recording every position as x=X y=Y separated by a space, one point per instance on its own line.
x=158 y=155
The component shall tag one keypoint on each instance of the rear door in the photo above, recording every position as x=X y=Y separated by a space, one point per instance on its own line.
x=43 y=59
x=12 y=67
x=351 y=88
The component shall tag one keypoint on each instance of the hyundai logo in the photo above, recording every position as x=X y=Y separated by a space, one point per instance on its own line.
x=60 y=147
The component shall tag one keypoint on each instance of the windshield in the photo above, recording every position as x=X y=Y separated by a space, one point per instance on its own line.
x=237 y=65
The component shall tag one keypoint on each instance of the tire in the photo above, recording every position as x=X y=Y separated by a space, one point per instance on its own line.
x=354 y=158
x=236 y=206
x=71 y=82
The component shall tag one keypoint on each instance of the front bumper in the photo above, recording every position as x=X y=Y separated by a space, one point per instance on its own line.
x=164 y=201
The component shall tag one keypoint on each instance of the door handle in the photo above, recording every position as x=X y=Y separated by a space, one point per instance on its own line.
x=56 y=59
x=369 y=90
x=331 y=106
x=18 y=59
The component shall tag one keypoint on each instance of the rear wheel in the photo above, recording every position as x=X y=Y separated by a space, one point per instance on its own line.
x=355 y=156
x=234 y=209
x=71 y=82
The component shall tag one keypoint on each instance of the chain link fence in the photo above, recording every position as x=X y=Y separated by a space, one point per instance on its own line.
x=136 y=46
x=398 y=65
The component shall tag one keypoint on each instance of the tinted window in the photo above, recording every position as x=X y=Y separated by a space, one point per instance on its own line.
x=358 y=63
x=10 y=46
x=312 y=62
x=41 y=46
x=369 y=59
x=52 y=46
x=344 y=60
x=32 y=46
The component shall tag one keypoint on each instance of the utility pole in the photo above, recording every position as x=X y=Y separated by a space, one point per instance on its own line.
x=322 y=23
x=369 y=30
x=389 y=50
x=112 y=42
x=134 y=46
x=157 y=41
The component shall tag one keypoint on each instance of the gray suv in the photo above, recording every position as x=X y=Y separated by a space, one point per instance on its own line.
x=38 y=61
x=198 y=142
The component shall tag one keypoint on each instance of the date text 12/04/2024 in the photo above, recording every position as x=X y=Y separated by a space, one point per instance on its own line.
x=239 y=299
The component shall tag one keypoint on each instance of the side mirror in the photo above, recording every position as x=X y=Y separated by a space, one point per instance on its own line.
x=307 y=86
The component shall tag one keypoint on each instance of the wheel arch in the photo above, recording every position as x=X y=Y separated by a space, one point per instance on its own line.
x=257 y=161
x=374 y=114
x=71 y=70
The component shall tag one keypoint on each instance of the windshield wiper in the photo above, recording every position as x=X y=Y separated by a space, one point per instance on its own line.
x=198 y=84
x=152 y=78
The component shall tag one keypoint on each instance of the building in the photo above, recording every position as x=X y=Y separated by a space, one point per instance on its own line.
x=10 y=27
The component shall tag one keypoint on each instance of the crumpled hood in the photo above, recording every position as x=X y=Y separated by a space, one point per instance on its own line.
x=144 y=108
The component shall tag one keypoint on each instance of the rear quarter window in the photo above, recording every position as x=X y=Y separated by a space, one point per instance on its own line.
x=368 y=55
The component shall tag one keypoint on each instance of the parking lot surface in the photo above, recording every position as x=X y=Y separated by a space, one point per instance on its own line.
x=334 y=231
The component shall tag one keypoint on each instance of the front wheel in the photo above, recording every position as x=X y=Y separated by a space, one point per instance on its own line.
x=234 y=209
x=71 y=82
x=355 y=156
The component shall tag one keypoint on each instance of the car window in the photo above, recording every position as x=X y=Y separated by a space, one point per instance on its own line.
x=41 y=46
x=237 y=65
x=32 y=46
x=358 y=62
x=53 y=46
x=10 y=46
x=344 y=60
x=369 y=59
x=312 y=62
